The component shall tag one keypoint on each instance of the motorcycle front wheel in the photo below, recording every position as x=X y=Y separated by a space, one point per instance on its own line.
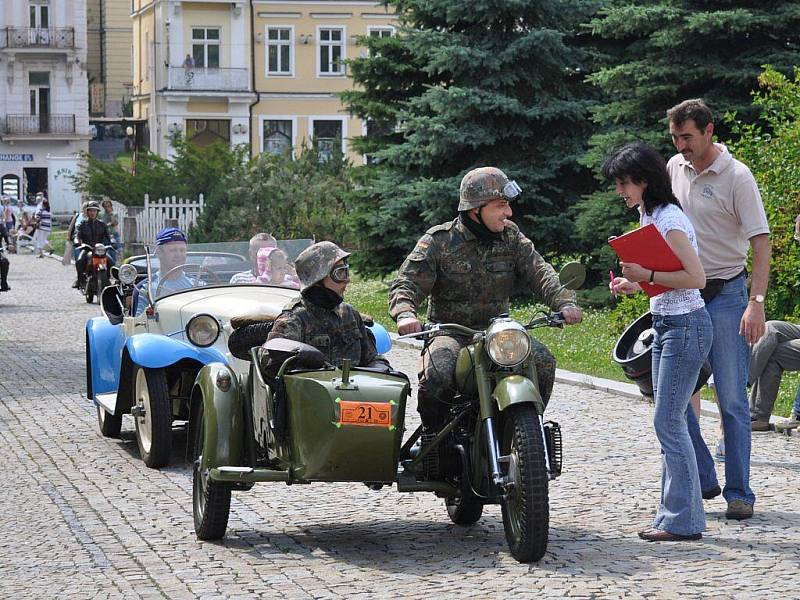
x=526 y=510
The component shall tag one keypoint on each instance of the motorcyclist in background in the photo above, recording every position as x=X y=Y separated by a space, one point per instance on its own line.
x=91 y=231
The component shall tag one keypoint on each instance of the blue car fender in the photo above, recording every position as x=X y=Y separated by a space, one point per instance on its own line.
x=383 y=343
x=104 y=343
x=154 y=351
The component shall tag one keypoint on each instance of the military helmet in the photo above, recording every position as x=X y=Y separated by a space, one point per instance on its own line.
x=315 y=262
x=484 y=184
x=93 y=205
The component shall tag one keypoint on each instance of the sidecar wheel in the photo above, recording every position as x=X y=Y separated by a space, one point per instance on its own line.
x=464 y=510
x=154 y=425
x=526 y=512
x=211 y=500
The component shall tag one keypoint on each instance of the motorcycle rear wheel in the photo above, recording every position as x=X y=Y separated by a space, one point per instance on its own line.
x=464 y=510
x=526 y=511
x=211 y=500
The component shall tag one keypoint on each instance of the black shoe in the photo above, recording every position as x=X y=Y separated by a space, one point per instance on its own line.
x=712 y=493
x=5 y=288
x=76 y=284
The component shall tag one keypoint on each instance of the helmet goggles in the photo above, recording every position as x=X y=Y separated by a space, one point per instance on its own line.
x=340 y=273
x=511 y=190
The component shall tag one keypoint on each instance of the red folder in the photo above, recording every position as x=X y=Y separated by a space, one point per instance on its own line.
x=647 y=247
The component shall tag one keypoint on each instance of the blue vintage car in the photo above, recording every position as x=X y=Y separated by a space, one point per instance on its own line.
x=144 y=353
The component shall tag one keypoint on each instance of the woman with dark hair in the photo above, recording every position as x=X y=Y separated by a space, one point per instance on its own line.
x=683 y=335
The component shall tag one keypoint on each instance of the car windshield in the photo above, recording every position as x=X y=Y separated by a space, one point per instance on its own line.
x=187 y=266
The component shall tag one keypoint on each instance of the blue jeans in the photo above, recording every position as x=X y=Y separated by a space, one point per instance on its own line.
x=796 y=406
x=730 y=359
x=680 y=348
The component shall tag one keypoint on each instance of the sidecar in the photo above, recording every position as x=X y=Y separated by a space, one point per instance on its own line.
x=299 y=421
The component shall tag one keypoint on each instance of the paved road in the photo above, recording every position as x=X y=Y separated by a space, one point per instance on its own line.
x=82 y=517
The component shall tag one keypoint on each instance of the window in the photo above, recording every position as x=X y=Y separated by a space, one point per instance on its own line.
x=328 y=136
x=279 y=50
x=39 y=14
x=277 y=136
x=205 y=47
x=381 y=32
x=376 y=130
x=205 y=132
x=331 y=51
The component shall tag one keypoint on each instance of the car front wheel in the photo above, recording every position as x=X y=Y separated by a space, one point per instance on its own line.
x=152 y=414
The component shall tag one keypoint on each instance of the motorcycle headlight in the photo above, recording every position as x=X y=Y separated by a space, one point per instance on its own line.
x=202 y=330
x=100 y=250
x=127 y=274
x=507 y=343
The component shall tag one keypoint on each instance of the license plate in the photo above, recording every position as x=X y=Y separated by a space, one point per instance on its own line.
x=378 y=414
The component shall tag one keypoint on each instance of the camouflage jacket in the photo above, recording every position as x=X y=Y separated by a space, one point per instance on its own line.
x=338 y=333
x=470 y=281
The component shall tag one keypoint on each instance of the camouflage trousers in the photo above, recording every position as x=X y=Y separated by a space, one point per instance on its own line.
x=437 y=375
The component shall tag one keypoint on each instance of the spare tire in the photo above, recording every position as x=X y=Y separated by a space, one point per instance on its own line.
x=633 y=353
x=248 y=336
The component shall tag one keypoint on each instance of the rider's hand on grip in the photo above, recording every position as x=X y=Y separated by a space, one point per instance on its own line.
x=572 y=315
x=409 y=325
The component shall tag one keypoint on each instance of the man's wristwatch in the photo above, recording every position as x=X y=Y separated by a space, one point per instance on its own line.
x=757 y=298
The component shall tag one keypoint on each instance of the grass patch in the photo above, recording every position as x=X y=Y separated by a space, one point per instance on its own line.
x=58 y=240
x=583 y=348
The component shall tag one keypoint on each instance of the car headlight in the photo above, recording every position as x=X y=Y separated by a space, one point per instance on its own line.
x=127 y=274
x=202 y=330
x=507 y=343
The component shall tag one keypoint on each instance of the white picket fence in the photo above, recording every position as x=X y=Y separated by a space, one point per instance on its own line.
x=156 y=214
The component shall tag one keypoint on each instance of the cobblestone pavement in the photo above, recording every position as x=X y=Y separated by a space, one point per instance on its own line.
x=82 y=517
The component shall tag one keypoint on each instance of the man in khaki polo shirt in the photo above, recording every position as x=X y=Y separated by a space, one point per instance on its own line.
x=721 y=197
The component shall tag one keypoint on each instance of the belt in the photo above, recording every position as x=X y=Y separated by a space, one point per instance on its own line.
x=742 y=273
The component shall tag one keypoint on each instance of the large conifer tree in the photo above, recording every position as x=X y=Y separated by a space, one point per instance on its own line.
x=660 y=52
x=467 y=84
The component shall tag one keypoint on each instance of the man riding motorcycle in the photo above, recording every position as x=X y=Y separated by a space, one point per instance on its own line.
x=469 y=267
x=91 y=231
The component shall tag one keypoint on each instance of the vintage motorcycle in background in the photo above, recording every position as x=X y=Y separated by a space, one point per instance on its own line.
x=98 y=271
x=296 y=419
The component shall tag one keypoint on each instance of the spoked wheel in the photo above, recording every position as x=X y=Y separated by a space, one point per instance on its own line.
x=110 y=425
x=526 y=511
x=152 y=413
x=464 y=510
x=211 y=500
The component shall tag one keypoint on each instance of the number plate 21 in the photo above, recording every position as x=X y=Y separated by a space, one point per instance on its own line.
x=376 y=414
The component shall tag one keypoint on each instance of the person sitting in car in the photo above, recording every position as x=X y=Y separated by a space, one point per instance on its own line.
x=169 y=278
x=273 y=268
x=320 y=317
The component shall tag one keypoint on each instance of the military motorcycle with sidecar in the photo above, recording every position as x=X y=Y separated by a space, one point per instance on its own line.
x=294 y=418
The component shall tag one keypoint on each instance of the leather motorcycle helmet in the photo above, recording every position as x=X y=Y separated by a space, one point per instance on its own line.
x=316 y=262
x=484 y=184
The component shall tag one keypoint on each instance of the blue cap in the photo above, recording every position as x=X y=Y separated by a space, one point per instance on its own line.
x=169 y=235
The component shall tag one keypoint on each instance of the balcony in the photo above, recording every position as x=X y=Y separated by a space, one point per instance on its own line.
x=62 y=38
x=49 y=125
x=199 y=79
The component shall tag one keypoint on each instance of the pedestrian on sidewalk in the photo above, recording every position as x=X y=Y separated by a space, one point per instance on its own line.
x=721 y=198
x=43 y=222
x=683 y=335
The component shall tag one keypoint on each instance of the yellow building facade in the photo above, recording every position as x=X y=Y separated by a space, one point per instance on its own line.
x=109 y=31
x=299 y=69
x=260 y=72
